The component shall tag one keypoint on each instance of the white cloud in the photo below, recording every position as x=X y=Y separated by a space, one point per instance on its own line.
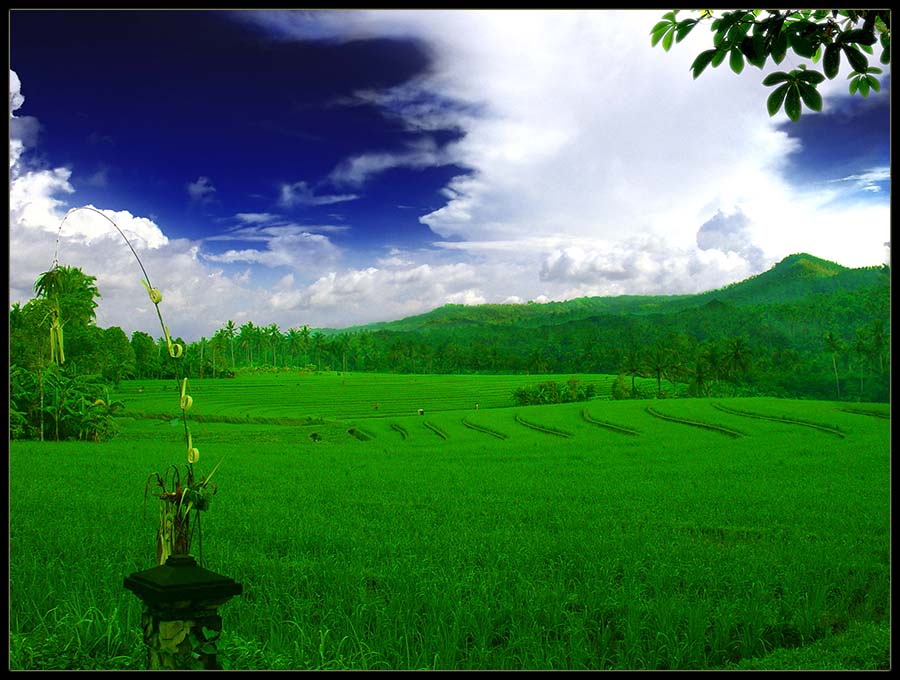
x=575 y=126
x=291 y=247
x=378 y=294
x=730 y=234
x=257 y=218
x=299 y=193
x=868 y=181
x=202 y=190
x=355 y=171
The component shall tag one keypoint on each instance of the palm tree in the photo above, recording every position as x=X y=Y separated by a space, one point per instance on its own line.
x=737 y=357
x=834 y=345
x=658 y=362
x=317 y=340
x=246 y=338
x=863 y=350
x=72 y=291
x=273 y=332
x=631 y=364
x=304 y=343
x=230 y=331
x=879 y=341
x=712 y=360
x=70 y=294
x=293 y=342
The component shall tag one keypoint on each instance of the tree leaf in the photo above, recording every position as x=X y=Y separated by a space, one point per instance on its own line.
x=702 y=61
x=753 y=49
x=658 y=32
x=856 y=58
x=718 y=57
x=792 y=103
x=873 y=82
x=886 y=55
x=831 y=64
x=813 y=77
x=773 y=103
x=775 y=78
x=801 y=45
x=854 y=85
x=858 y=35
x=660 y=27
x=810 y=96
x=684 y=28
x=736 y=61
x=817 y=55
x=667 y=40
x=863 y=85
x=779 y=48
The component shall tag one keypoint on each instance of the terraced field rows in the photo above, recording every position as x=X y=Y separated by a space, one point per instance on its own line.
x=589 y=422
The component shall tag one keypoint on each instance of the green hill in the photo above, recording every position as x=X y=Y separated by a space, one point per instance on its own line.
x=794 y=278
x=777 y=320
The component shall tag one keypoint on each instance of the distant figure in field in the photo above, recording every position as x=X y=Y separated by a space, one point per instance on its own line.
x=376 y=405
x=421 y=411
x=476 y=405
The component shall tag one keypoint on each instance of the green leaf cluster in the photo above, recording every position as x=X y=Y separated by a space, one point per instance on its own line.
x=818 y=35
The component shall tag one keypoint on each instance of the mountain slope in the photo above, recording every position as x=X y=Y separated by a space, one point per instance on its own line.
x=794 y=278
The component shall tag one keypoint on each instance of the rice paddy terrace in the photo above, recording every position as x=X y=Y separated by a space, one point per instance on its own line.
x=641 y=534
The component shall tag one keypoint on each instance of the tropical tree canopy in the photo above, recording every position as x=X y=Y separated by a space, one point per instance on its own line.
x=72 y=293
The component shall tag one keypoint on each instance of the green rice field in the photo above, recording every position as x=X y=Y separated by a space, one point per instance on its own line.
x=750 y=533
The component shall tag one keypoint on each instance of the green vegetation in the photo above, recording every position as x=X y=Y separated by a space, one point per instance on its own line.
x=521 y=520
x=747 y=35
x=806 y=328
x=673 y=548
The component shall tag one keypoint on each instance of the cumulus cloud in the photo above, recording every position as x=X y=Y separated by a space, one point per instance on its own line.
x=382 y=293
x=730 y=234
x=587 y=132
x=289 y=247
x=641 y=265
x=23 y=130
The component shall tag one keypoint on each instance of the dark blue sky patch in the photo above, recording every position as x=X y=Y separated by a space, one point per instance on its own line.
x=152 y=101
x=851 y=138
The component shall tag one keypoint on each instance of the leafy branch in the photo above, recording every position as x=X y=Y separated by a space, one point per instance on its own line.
x=755 y=36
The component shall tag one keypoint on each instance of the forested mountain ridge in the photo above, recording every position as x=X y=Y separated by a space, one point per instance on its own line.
x=793 y=278
x=806 y=327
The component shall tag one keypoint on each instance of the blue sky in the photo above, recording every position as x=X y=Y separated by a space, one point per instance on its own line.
x=334 y=168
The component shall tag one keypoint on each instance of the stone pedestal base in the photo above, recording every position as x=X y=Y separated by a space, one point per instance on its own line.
x=182 y=639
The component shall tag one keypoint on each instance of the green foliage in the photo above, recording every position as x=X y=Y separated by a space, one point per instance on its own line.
x=782 y=314
x=818 y=35
x=620 y=389
x=54 y=404
x=553 y=392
